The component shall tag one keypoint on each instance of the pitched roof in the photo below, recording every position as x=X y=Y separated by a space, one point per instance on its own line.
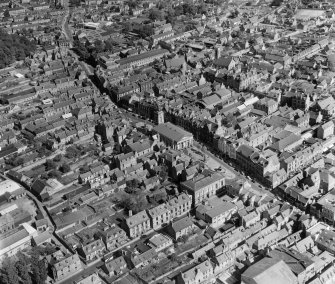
x=269 y=270
x=172 y=132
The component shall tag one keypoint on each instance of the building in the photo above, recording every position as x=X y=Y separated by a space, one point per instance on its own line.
x=116 y=266
x=201 y=273
x=180 y=228
x=142 y=59
x=180 y=205
x=159 y=215
x=325 y=130
x=92 y=250
x=215 y=212
x=268 y=270
x=114 y=237
x=17 y=241
x=302 y=266
x=138 y=224
x=174 y=136
x=66 y=266
x=325 y=241
x=160 y=242
x=204 y=185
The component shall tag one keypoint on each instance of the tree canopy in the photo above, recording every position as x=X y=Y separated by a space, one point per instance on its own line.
x=14 y=47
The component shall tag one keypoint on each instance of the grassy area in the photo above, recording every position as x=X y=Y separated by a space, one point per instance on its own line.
x=192 y=243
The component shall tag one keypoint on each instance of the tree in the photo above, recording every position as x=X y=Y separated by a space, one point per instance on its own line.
x=43 y=274
x=9 y=273
x=84 y=169
x=6 y=14
x=108 y=45
x=65 y=168
x=38 y=268
x=160 y=196
x=72 y=152
x=163 y=174
x=155 y=14
x=132 y=4
x=134 y=183
x=179 y=10
x=23 y=271
x=173 y=257
x=50 y=165
x=202 y=9
x=54 y=174
x=81 y=49
x=136 y=202
x=57 y=158
x=170 y=16
x=14 y=47
x=18 y=162
x=183 y=239
x=99 y=46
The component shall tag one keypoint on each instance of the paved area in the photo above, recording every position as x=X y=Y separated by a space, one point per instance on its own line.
x=215 y=165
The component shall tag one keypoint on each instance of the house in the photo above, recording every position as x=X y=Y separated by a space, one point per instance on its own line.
x=124 y=161
x=251 y=218
x=116 y=266
x=150 y=183
x=182 y=227
x=325 y=130
x=180 y=205
x=66 y=266
x=159 y=215
x=114 y=237
x=223 y=261
x=201 y=273
x=92 y=250
x=140 y=148
x=325 y=241
x=138 y=224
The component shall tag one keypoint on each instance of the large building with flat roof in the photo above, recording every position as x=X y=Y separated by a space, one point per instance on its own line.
x=174 y=136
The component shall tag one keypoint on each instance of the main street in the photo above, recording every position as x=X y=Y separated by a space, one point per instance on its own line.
x=199 y=146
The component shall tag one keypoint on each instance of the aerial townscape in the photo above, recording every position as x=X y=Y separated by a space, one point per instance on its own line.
x=167 y=142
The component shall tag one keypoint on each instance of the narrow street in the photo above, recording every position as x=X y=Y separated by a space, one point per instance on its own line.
x=65 y=26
